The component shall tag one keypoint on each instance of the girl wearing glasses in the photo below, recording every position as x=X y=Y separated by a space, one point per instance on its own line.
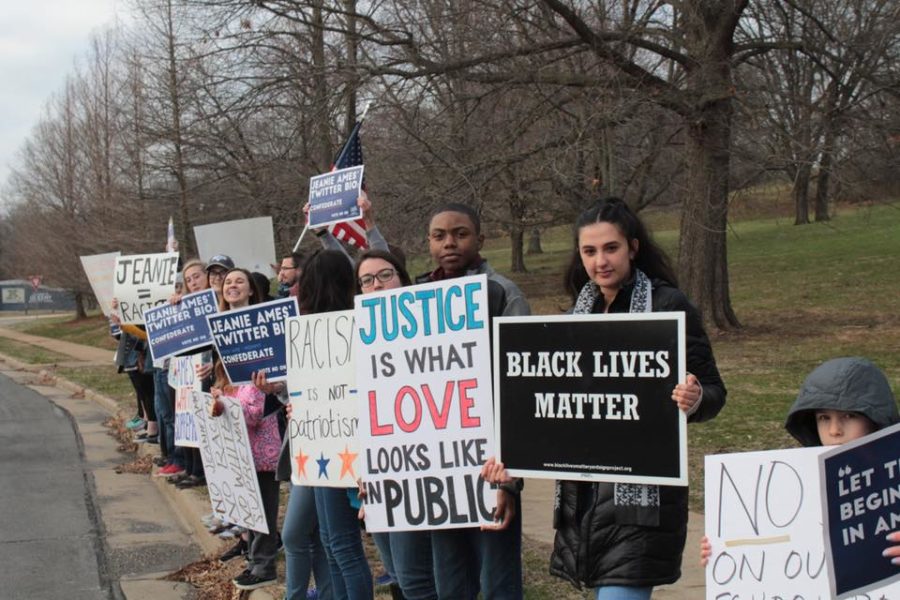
x=406 y=554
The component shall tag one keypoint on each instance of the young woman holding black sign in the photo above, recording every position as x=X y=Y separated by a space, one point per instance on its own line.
x=238 y=291
x=624 y=539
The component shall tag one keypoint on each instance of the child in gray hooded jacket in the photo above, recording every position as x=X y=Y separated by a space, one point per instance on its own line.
x=842 y=400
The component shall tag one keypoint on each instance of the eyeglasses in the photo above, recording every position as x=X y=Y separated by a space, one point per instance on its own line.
x=384 y=275
x=217 y=272
x=287 y=269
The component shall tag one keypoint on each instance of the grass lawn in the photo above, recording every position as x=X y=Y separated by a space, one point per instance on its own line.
x=30 y=354
x=93 y=331
x=104 y=380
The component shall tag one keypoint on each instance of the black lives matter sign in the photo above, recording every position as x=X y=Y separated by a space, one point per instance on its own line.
x=589 y=397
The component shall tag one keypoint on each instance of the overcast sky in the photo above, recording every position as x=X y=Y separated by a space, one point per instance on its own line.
x=39 y=43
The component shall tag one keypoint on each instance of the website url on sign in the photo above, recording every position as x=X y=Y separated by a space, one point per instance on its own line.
x=605 y=468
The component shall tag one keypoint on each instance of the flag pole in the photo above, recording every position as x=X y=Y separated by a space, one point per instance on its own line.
x=365 y=111
x=302 y=233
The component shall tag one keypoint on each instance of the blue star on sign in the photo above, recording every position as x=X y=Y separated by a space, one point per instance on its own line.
x=323 y=465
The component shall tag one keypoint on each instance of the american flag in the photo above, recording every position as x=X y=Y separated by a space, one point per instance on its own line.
x=171 y=242
x=351 y=155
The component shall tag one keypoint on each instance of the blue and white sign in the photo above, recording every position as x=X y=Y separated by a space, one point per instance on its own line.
x=333 y=196
x=178 y=328
x=183 y=377
x=251 y=339
x=861 y=505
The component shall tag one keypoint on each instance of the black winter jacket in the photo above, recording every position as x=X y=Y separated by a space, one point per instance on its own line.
x=602 y=540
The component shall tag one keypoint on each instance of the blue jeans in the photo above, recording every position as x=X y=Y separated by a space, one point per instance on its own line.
x=164 y=405
x=407 y=558
x=339 y=529
x=303 y=550
x=622 y=592
x=468 y=559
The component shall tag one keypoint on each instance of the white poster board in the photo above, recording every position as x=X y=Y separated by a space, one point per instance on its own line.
x=764 y=521
x=250 y=243
x=183 y=379
x=423 y=369
x=228 y=463
x=100 y=269
x=321 y=382
x=142 y=281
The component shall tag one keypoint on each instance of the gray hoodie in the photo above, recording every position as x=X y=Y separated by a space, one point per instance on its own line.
x=848 y=384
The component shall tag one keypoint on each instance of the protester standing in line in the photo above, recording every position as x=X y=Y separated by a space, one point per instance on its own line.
x=406 y=554
x=238 y=291
x=289 y=273
x=490 y=559
x=327 y=285
x=187 y=469
x=625 y=539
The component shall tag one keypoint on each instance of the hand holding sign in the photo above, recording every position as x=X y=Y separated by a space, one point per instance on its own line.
x=893 y=552
x=687 y=394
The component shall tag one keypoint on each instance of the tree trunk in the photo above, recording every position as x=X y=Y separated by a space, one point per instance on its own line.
x=800 y=192
x=534 y=242
x=80 y=312
x=517 y=241
x=177 y=138
x=823 y=182
x=352 y=83
x=322 y=134
x=702 y=256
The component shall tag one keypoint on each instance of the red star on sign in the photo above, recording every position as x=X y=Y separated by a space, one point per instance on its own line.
x=301 y=462
x=347 y=459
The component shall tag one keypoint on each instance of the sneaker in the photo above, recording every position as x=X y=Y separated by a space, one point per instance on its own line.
x=312 y=594
x=169 y=471
x=135 y=423
x=176 y=479
x=145 y=438
x=190 y=481
x=238 y=549
x=249 y=581
x=160 y=461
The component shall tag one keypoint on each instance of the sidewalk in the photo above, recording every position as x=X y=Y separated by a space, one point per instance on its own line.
x=537 y=497
x=88 y=355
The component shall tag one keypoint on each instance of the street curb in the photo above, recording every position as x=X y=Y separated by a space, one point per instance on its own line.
x=187 y=506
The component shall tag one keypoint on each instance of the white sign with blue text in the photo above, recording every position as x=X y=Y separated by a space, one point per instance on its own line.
x=333 y=196
x=183 y=378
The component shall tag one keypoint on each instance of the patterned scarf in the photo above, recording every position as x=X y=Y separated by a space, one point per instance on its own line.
x=626 y=494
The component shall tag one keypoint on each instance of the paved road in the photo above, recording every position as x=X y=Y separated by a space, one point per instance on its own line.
x=49 y=546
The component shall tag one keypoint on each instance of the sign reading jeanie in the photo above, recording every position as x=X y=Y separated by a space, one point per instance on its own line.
x=423 y=373
x=251 y=339
x=574 y=392
x=177 y=328
x=332 y=196
x=142 y=282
